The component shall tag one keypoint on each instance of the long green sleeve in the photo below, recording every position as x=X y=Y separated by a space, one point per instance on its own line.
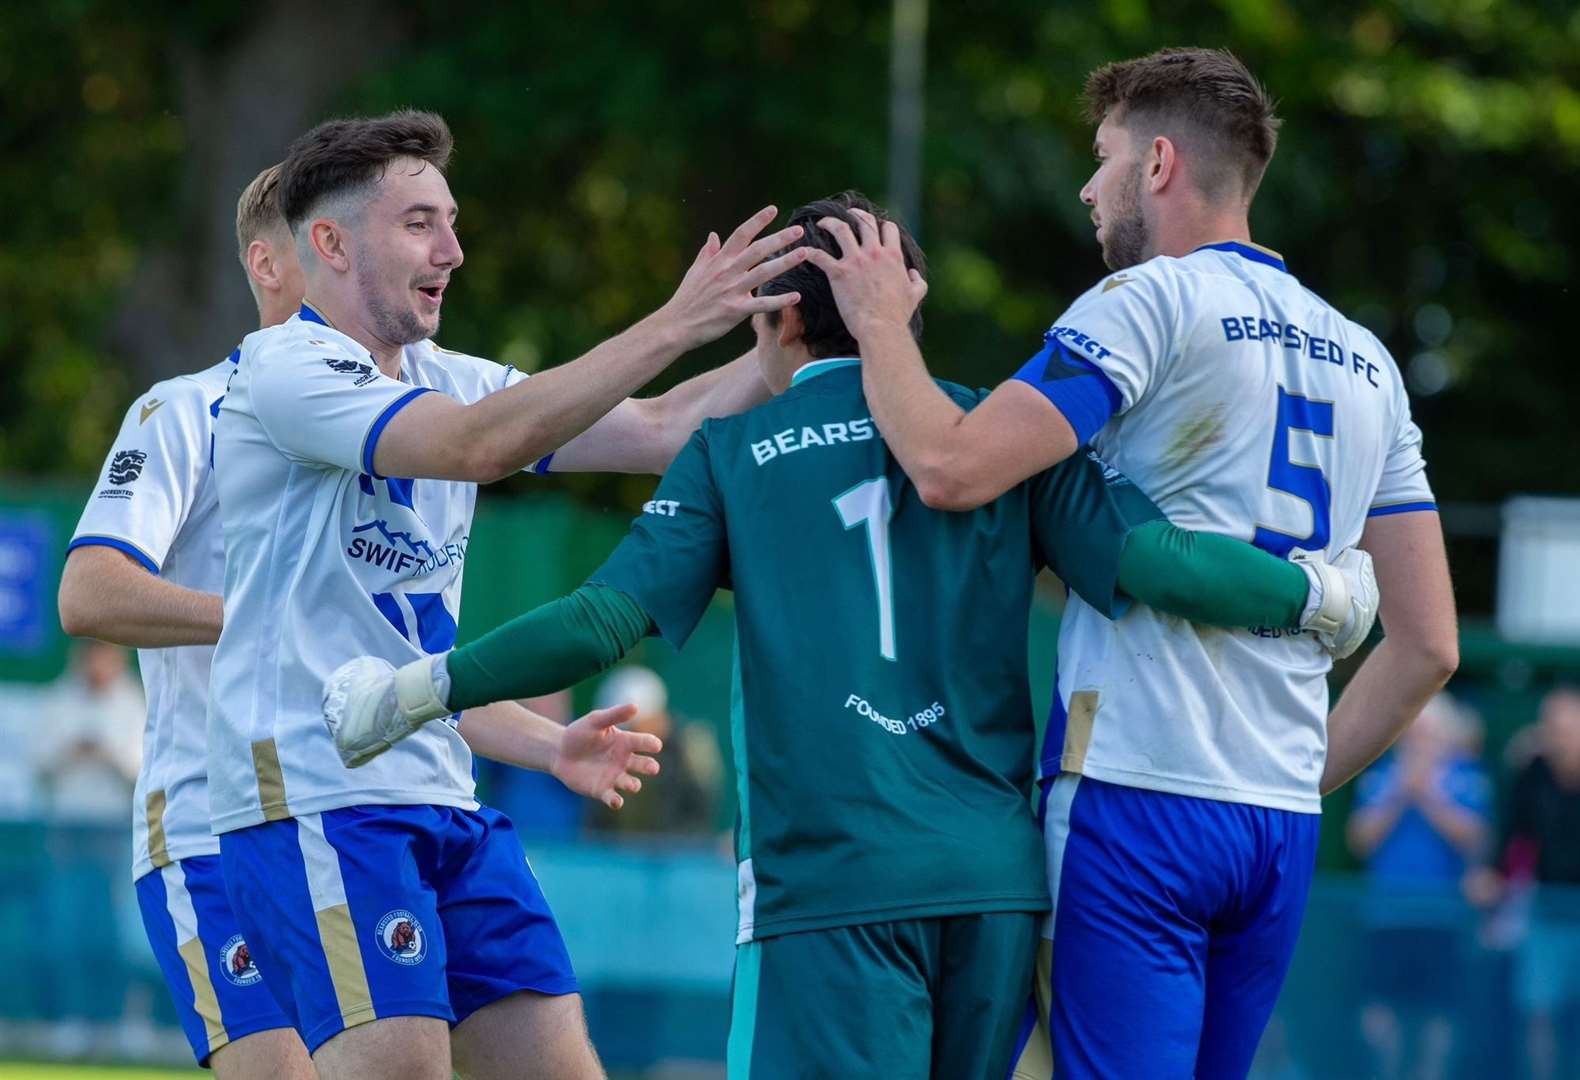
x=549 y=648
x=1210 y=579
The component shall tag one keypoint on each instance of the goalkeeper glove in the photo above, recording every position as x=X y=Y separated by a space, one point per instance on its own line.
x=1341 y=601
x=370 y=705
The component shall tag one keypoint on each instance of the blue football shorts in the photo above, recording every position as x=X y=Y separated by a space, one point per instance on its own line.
x=375 y=911
x=218 y=990
x=1174 y=923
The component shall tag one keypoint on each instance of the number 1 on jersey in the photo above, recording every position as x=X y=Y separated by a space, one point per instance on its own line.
x=868 y=503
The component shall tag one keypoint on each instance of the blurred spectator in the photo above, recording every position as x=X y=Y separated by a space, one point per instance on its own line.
x=1540 y=849
x=89 y=735
x=538 y=805
x=90 y=738
x=1421 y=820
x=19 y=714
x=683 y=797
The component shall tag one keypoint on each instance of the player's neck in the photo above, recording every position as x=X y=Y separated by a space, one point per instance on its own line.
x=273 y=312
x=1186 y=233
x=786 y=364
x=351 y=322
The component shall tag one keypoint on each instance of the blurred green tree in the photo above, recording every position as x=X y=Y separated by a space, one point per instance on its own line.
x=1423 y=181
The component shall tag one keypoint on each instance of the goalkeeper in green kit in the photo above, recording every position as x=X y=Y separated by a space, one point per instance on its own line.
x=890 y=869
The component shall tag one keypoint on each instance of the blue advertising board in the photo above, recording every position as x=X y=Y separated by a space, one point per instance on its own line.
x=26 y=615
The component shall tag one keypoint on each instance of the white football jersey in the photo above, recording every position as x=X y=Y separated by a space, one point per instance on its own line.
x=1246 y=406
x=155 y=501
x=324 y=561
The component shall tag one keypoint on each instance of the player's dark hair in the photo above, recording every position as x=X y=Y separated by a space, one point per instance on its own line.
x=1205 y=100
x=825 y=334
x=339 y=157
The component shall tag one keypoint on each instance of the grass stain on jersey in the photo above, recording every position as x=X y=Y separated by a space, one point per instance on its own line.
x=1196 y=436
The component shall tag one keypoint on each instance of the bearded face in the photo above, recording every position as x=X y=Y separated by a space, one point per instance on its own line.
x=1114 y=194
x=1125 y=238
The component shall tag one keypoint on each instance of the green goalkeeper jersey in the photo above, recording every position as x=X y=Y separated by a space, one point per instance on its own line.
x=881 y=717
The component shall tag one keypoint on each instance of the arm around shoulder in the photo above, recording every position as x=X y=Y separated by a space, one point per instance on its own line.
x=968 y=459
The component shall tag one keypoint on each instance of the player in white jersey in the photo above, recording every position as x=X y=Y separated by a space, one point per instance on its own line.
x=1184 y=765
x=390 y=906
x=144 y=569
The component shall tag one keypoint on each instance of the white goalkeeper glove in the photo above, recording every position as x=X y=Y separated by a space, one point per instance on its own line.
x=370 y=705
x=1341 y=604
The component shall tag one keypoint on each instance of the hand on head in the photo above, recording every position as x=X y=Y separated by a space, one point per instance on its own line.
x=717 y=292
x=871 y=282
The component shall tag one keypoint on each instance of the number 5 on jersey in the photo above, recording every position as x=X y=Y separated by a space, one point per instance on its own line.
x=868 y=503
x=1304 y=482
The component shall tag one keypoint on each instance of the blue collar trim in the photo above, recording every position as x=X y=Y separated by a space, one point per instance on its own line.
x=235 y=355
x=819 y=367
x=310 y=314
x=1255 y=253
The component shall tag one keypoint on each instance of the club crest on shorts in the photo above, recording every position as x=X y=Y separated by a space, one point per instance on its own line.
x=236 y=962
x=401 y=937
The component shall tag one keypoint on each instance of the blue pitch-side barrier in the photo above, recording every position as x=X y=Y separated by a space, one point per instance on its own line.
x=651 y=929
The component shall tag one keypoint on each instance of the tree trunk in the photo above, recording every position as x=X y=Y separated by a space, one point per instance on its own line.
x=242 y=101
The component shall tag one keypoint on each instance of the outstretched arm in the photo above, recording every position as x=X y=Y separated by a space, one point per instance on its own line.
x=369 y=706
x=553 y=646
x=436 y=436
x=591 y=756
x=1414 y=660
x=660 y=577
x=644 y=434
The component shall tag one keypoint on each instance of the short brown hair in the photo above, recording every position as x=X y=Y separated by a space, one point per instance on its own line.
x=346 y=157
x=258 y=210
x=1204 y=98
x=825 y=333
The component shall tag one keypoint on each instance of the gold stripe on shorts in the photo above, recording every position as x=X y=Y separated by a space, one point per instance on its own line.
x=271 y=781
x=346 y=971
x=1036 y=1058
x=204 y=1000
x=158 y=854
x=1078 y=730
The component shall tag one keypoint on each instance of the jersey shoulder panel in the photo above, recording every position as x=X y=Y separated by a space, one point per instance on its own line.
x=271 y=345
x=1126 y=327
x=467 y=377
x=1159 y=276
x=186 y=396
x=155 y=469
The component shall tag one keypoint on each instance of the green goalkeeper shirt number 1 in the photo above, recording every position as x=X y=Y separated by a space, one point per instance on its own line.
x=881 y=715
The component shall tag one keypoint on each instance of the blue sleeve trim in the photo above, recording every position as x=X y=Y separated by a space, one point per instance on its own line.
x=1400 y=508
x=119 y=545
x=541 y=466
x=372 y=441
x=1078 y=388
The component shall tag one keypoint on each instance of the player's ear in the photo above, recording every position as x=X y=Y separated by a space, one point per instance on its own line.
x=329 y=241
x=791 y=326
x=1160 y=163
x=262 y=266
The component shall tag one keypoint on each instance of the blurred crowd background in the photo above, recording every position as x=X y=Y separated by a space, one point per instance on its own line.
x=1424 y=183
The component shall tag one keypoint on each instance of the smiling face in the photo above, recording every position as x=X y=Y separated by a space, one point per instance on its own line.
x=1114 y=194
x=405 y=248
